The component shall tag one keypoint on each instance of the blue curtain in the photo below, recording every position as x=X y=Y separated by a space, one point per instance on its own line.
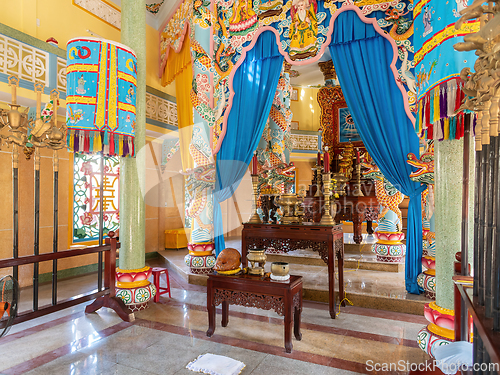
x=362 y=58
x=255 y=83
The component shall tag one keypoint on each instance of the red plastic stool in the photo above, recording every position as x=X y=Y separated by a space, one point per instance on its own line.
x=157 y=271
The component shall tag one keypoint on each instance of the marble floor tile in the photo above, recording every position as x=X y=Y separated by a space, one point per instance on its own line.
x=75 y=364
x=285 y=366
x=170 y=334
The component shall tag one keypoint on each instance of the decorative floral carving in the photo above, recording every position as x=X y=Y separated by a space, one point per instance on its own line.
x=161 y=109
x=264 y=302
x=304 y=142
x=296 y=301
x=23 y=61
x=285 y=245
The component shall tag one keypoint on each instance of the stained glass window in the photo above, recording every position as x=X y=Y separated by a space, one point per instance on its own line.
x=86 y=196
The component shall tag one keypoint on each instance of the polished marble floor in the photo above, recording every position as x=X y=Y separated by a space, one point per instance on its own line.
x=168 y=335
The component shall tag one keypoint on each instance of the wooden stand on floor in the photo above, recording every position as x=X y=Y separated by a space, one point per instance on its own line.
x=284 y=297
x=109 y=300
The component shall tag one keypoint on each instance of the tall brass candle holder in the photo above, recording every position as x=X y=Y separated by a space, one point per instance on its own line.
x=327 y=218
x=318 y=181
x=255 y=219
x=357 y=186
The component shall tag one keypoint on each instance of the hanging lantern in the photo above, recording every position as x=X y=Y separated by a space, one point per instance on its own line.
x=438 y=66
x=101 y=96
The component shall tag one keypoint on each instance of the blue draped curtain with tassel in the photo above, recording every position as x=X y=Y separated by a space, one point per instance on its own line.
x=255 y=83
x=362 y=59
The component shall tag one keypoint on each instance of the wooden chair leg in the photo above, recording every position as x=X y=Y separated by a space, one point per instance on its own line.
x=114 y=303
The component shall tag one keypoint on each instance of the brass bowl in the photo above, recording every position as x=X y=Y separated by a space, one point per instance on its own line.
x=257 y=255
x=280 y=268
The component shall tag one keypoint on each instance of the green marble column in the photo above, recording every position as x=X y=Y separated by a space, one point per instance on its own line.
x=472 y=181
x=133 y=170
x=448 y=215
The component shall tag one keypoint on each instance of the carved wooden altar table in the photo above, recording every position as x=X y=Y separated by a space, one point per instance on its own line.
x=327 y=240
x=357 y=210
x=284 y=297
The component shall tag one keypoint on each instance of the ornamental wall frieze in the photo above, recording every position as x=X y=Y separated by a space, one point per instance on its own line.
x=304 y=142
x=102 y=10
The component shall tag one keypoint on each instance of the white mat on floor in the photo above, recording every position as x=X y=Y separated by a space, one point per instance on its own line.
x=216 y=365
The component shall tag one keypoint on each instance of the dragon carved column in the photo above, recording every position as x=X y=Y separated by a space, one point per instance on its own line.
x=425 y=174
x=199 y=186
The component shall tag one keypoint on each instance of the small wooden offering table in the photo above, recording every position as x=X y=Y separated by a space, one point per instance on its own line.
x=327 y=240
x=256 y=291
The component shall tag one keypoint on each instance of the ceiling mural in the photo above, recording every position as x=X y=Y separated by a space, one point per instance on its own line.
x=154 y=8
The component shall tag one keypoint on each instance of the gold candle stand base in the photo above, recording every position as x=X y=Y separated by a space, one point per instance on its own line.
x=327 y=218
x=357 y=186
x=318 y=181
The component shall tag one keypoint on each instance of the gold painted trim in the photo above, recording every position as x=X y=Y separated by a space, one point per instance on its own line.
x=232 y=272
x=384 y=242
x=143 y=269
x=81 y=68
x=442 y=310
x=430 y=272
x=133 y=284
x=201 y=253
x=464 y=282
x=440 y=331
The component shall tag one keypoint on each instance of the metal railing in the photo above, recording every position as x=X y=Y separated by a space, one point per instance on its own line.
x=104 y=297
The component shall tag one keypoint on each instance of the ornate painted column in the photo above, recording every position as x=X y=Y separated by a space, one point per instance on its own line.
x=132 y=275
x=201 y=179
x=425 y=175
x=329 y=72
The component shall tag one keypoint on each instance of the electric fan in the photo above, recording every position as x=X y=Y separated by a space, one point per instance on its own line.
x=9 y=296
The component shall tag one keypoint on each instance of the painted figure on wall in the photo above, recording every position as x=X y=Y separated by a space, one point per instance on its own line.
x=427 y=18
x=303 y=29
x=81 y=86
x=244 y=19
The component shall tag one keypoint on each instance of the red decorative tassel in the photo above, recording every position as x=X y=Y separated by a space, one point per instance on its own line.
x=427 y=114
x=85 y=142
x=459 y=98
x=430 y=131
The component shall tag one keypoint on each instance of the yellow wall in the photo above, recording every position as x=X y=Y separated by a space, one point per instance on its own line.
x=63 y=21
x=157 y=217
x=164 y=191
x=301 y=109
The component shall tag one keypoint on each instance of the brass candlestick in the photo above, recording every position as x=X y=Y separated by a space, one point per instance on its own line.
x=255 y=219
x=327 y=218
x=318 y=181
x=357 y=186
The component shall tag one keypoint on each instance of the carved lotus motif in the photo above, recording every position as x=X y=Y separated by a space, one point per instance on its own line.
x=130 y=277
x=439 y=316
